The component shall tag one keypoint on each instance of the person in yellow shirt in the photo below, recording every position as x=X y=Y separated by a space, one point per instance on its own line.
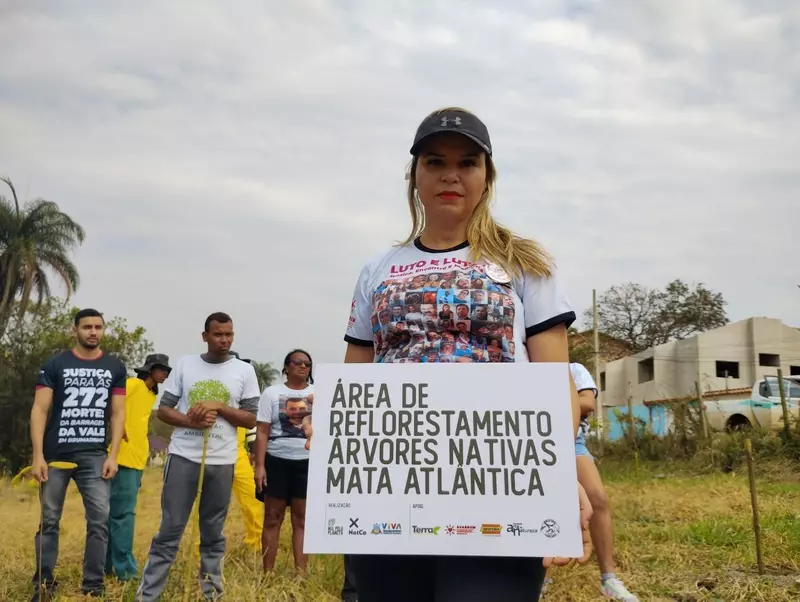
x=140 y=398
x=244 y=488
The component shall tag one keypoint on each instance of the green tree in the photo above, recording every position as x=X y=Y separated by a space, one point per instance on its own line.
x=29 y=341
x=34 y=239
x=265 y=373
x=643 y=317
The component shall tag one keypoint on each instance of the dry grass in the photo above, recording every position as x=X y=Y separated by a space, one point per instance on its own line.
x=679 y=536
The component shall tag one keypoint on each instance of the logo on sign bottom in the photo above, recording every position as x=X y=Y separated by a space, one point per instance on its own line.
x=517 y=529
x=460 y=529
x=550 y=528
x=354 y=529
x=387 y=529
x=333 y=528
x=491 y=529
x=425 y=530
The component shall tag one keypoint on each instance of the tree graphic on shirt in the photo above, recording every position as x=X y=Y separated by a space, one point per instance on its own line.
x=209 y=390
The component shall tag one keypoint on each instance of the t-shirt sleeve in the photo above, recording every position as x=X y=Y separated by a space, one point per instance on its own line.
x=250 y=391
x=583 y=379
x=118 y=385
x=545 y=303
x=264 y=413
x=359 y=326
x=48 y=375
x=173 y=386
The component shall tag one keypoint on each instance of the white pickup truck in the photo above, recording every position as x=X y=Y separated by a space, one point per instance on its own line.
x=762 y=409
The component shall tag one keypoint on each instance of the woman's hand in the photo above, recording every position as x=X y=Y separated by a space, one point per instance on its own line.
x=261 y=478
x=586 y=515
x=307 y=430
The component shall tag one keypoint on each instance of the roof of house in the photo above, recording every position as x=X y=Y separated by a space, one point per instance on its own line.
x=610 y=348
x=706 y=395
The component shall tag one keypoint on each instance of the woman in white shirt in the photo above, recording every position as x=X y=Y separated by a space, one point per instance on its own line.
x=450 y=185
x=281 y=456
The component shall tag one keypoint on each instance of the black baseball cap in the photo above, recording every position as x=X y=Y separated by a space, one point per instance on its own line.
x=460 y=122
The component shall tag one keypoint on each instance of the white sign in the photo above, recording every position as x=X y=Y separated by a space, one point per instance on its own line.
x=443 y=459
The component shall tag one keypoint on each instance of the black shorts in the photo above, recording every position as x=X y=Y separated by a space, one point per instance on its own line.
x=286 y=479
x=446 y=578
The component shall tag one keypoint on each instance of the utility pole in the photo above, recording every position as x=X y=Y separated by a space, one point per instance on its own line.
x=784 y=405
x=597 y=406
x=632 y=429
x=702 y=408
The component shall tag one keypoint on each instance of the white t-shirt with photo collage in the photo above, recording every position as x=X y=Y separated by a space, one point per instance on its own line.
x=284 y=409
x=415 y=304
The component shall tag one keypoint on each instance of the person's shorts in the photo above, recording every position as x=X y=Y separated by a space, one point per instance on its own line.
x=286 y=479
x=580 y=445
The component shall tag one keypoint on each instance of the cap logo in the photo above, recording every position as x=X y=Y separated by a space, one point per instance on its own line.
x=448 y=120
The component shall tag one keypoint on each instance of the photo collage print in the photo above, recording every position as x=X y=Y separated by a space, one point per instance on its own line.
x=453 y=316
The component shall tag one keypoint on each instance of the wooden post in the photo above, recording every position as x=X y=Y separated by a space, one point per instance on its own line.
x=751 y=473
x=703 y=415
x=631 y=429
x=598 y=415
x=783 y=404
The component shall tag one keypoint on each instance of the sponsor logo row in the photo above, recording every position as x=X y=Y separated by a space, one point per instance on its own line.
x=549 y=528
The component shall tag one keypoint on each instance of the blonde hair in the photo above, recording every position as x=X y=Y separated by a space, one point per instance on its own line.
x=487 y=239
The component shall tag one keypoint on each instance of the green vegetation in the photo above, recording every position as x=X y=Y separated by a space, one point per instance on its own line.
x=683 y=533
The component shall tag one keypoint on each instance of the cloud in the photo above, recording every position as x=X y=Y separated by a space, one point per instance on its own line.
x=250 y=158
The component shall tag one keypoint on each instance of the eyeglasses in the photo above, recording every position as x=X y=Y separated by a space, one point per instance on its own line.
x=301 y=363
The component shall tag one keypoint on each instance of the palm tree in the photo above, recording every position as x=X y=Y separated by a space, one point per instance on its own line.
x=265 y=373
x=34 y=239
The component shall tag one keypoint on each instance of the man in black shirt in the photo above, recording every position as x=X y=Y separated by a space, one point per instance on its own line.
x=78 y=393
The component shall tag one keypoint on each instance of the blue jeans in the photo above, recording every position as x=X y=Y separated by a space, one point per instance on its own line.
x=580 y=445
x=94 y=490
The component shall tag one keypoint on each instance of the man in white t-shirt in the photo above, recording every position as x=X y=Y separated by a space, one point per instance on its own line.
x=206 y=396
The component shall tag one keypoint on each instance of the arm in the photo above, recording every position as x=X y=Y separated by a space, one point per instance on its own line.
x=110 y=466
x=359 y=354
x=173 y=417
x=169 y=415
x=41 y=408
x=117 y=423
x=551 y=346
x=173 y=389
x=263 y=429
x=237 y=416
x=586 y=399
x=119 y=391
x=245 y=414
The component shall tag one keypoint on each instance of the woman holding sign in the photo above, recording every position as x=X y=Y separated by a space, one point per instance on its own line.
x=501 y=302
x=282 y=456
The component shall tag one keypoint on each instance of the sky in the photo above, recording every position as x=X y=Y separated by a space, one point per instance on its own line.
x=249 y=156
